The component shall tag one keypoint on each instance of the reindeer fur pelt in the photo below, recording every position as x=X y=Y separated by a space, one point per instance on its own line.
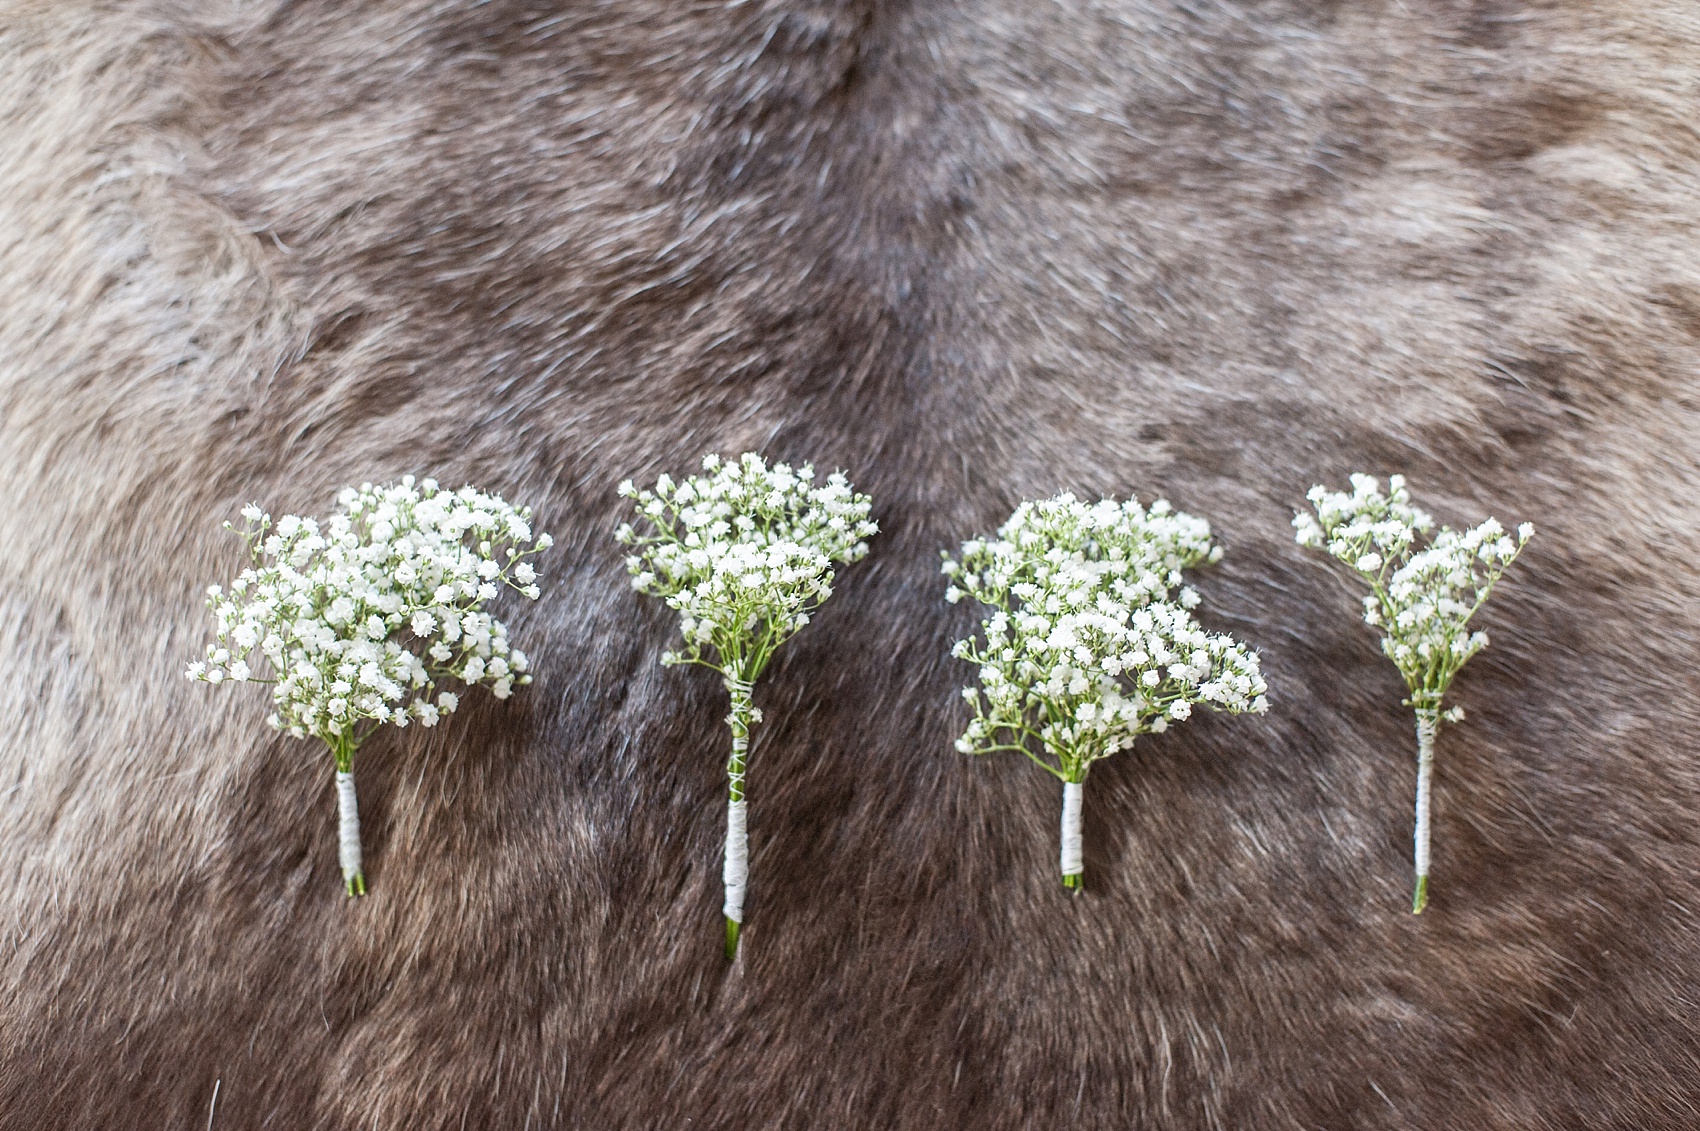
x=968 y=252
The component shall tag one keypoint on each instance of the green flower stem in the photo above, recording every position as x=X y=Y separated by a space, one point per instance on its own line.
x=348 y=817
x=736 y=872
x=1428 y=719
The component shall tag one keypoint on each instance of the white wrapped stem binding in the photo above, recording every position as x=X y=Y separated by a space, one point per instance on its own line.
x=348 y=831
x=1426 y=720
x=1073 y=863
x=737 y=858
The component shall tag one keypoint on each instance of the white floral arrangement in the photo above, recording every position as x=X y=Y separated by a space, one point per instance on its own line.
x=745 y=552
x=1422 y=596
x=354 y=624
x=1088 y=644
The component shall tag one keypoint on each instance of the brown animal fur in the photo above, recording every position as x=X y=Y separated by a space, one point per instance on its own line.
x=968 y=252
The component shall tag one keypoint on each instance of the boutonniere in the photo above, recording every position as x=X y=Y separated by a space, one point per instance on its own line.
x=1422 y=596
x=1088 y=644
x=745 y=552
x=355 y=623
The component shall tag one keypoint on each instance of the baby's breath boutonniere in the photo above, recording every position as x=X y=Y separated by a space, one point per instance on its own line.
x=1088 y=645
x=1421 y=597
x=353 y=624
x=744 y=552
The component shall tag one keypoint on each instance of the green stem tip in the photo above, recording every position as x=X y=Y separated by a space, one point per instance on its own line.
x=1074 y=882
x=731 y=939
x=357 y=884
x=1420 y=899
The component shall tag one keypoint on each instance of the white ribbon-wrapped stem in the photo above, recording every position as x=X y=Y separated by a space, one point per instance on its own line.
x=348 y=831
x=1427 y=719
x=737 y=871
x=1073 y=863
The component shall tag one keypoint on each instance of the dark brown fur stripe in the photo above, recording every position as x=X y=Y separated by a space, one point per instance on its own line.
x=969 y=252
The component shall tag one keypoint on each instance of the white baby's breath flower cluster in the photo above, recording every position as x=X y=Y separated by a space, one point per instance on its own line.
x=1089 y=645
x=745 y=552
x=1139 y=553
x=354 y=623
x=1421 y=597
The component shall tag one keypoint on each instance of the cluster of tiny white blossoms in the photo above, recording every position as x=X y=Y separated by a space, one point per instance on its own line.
x=355 y=622
x=1421 y=596
x=1088 y=645
x=744 y=552
x=1137 y=553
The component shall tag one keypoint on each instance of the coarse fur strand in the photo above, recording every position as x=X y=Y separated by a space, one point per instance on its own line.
x=969 y=252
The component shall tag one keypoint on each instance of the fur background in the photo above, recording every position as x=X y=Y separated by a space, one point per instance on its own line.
x=969 y=252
